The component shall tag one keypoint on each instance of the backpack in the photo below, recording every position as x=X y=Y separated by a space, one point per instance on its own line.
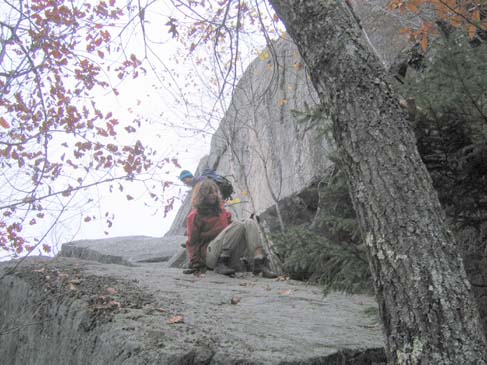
x=223 y=183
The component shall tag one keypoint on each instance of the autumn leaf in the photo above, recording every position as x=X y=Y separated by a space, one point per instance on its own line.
x=4 y=123
x=67 y=192
x=172 y=24
x=175 y=319
x=411 y=6
x=264 y=55
x=282 y=278
x=395 y=4
x=424 y=43
x=247 y=284
x=114 y=304
x=176 y=163
x=298 y=66
x=282 y=102
x=472 y=30
x=455 y=13
x=169 y=206
x=476 y=15
x=285 y=292
x=56 y=54
x=456 y=21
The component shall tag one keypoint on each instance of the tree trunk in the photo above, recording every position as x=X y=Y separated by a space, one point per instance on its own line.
x=425 y=300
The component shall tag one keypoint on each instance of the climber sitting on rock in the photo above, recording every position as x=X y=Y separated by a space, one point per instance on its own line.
x=213 y=237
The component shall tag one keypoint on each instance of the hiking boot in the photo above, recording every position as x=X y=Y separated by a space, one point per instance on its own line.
x=260 y=268
x=222 y=266
x=245 y=264
x=190 y=271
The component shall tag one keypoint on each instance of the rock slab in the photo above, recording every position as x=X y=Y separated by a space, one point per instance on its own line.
x=67 y=310
x=129 y=250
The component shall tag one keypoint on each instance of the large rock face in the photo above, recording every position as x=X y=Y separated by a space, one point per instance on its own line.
x=260 y=145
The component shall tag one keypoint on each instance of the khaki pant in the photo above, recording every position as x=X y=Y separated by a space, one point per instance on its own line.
x=238 y=240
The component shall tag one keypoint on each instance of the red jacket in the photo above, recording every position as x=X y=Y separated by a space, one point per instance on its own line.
x=201 y=230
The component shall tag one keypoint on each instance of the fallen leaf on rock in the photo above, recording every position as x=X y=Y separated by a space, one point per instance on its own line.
x=235 y=300
x=285 y=292
x=247 y=284
x=282 y=278
x=102 y=299
x=175 y=319
x=162 y=310
x=114 y=304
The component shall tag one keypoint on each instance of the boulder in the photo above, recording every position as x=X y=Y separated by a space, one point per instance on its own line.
x=129 y=250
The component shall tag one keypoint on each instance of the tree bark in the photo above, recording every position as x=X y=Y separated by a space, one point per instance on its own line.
x=428 y=312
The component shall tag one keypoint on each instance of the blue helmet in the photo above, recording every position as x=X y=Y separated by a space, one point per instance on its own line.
x=184 y=174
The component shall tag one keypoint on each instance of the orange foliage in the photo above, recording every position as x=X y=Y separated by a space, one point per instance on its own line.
x=467 y=15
